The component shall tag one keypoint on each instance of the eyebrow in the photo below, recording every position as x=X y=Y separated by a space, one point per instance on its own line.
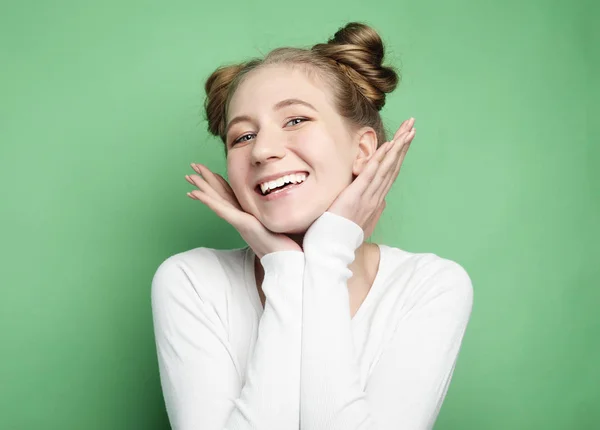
x=277 y=106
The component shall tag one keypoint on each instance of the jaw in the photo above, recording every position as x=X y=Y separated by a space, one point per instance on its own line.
x=287 y=221
x=292 y=219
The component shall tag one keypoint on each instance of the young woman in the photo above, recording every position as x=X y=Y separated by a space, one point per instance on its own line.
x=308 y=327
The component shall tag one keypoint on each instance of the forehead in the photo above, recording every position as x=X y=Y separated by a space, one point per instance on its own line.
x=262 y=88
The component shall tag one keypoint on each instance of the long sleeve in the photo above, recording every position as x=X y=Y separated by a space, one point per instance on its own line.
x=407 y=385
x=201 y=386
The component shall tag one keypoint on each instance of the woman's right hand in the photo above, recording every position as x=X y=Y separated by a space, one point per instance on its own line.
x=214 y=191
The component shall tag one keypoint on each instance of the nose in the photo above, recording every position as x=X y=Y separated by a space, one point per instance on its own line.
x=267 y=147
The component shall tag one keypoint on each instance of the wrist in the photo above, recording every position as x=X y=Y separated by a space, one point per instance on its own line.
x=330 y=231
x=288 y=262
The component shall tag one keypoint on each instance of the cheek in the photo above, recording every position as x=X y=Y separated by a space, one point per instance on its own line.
x=321 y=148
x=331 y=167
x=237 y=173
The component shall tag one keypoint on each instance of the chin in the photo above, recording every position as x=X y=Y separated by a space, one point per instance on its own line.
x=289 y=225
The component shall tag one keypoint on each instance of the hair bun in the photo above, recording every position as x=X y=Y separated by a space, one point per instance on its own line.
x=359 y=51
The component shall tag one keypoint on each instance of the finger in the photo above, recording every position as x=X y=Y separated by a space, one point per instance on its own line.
x=212 y=180
x=366 y=176
x=386 y=168
x=398 y=165
x=400 y=147
x=218 y=206
x=391 y=178
x=223 y=188
x=228 y=191
x=404 y=127
x=362 y=182
x=223 y=182
x=205 y=187
x=403 y=152
x=207 y=175
x=218 y=183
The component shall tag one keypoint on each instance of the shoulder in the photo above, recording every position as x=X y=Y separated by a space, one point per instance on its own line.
x=198 y=273
x=428 y=277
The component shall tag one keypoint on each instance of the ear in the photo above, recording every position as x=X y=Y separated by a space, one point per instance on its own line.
x=367 y=145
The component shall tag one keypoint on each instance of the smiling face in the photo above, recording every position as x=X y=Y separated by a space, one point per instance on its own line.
x=288 y=124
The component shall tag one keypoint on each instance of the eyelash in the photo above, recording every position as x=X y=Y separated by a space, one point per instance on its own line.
x=239 y=139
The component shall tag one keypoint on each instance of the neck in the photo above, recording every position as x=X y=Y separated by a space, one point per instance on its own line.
x=359 y=267
x=298 y=238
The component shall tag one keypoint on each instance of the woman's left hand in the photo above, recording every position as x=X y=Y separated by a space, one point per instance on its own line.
x=363 y=200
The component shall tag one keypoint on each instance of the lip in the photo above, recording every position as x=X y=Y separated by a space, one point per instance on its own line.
x=278 y=175
x=284 y=192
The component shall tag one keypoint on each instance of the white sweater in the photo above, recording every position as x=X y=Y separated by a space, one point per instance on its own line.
x=303 y=362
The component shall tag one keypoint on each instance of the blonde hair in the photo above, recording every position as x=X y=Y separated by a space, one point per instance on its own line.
x=350 y=63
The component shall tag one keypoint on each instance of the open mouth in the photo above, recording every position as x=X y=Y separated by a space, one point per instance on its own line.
x=277 y=189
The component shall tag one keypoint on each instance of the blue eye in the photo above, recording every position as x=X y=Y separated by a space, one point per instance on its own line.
x=239 y=139
x=295 y=119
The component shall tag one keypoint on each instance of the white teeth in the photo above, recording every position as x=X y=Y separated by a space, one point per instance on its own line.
x=293 y=178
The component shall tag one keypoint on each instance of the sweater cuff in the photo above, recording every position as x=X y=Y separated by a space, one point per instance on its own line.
x=286 y=263
x=332 y=231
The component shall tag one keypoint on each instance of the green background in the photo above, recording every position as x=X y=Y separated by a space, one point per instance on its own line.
x=101 y=114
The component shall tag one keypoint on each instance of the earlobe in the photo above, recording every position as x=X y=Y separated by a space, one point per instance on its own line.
x=367 y=145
